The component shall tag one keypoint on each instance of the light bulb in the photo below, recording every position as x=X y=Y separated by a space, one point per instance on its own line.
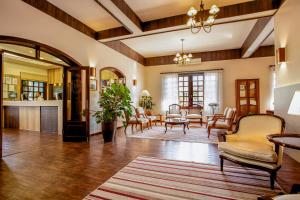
x=190 y=55
x=177 y=54
x=184 y=56
x=175 y=59
x=214 y=10
x=192 y=12
x=210 y=20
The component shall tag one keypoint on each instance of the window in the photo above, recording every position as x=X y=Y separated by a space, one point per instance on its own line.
x=191 y=89
x=30 y=89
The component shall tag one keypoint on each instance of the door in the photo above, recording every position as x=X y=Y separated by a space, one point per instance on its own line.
x=76 y=104
x=1 y=102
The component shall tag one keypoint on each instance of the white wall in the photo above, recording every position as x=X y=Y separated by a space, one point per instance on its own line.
x=21 y=20
x=233 y=69
x=287 y=35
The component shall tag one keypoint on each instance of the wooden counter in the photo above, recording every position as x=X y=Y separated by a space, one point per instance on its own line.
x=42 y=116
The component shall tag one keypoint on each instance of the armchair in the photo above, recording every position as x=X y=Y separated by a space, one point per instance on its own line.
x=142 y=114
x=249 y=146
x=222 y=122
x=213 y=117
x=174 y=111
x=136 y=120
x=195 y=113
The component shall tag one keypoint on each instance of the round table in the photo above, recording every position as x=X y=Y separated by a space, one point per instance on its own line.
x=290 y=141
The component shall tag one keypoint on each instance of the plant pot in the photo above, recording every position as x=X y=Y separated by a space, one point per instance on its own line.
x=108 y=130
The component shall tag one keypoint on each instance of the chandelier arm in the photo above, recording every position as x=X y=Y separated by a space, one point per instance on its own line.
x=195 y=29
x=207 y=28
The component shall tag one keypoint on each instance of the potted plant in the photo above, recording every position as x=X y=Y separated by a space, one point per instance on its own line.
x=114 y=102
x=146 y=102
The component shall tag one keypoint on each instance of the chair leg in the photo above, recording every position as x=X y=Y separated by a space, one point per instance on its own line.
x=141 y=127
x=131 y=128
x=272 y=179
x=125 y=129
x=208 y=131
x=221 y=163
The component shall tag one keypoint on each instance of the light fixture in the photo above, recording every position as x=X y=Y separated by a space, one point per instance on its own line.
x=145 y=93
x=134 y=82
x=92 y=72
x=281 y=55
x=182 y=58
x=294 y=108
x=195 y=25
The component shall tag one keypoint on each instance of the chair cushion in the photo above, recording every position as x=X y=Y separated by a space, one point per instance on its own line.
x=249 y=150
x=218 y=124
x=288 y=197
x=140 y=120
x=152 y=118
x=193 y=116
x=173 y=116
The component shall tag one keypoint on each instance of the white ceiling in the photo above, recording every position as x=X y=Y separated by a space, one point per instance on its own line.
x=155 y=9
x=223 y=36
x=88 y=12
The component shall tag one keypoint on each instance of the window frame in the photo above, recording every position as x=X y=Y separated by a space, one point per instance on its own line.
x=190 y=86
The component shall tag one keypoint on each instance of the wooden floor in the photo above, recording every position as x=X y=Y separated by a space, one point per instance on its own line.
x=41 y=166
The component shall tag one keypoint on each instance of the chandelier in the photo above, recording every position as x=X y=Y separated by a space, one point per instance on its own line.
x=183 y=58
x=195 y=25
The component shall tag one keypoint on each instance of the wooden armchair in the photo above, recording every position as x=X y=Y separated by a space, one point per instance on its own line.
x=194 y=113
x=142 y=114
x=174 y=111
x=222 y=122
x=136 y=120
x=213 y=117
x=248 y=144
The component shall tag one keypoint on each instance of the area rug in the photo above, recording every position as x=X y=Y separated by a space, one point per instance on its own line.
x=194 y=134
x=148 y=178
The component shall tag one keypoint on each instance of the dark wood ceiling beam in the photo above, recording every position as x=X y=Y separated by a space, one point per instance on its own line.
x=225 y=12
x=62 y=16
x=230 y=54
x=125 y=50
x=113 y=32
x=261 y=30
x=122 y=13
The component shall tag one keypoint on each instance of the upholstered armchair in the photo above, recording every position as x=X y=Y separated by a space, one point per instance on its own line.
x=194 y=113
x=142 y=114
x=174 y=111
x=248 y=144
x=213 y=117
x=135 y=119
x=222 y=122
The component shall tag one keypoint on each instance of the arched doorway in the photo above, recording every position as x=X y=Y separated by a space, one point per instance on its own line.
x=109 y=75
x=74 y=84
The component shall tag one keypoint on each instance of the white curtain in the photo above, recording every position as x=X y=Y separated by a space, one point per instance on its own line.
x=169 y=91
x=213 y=91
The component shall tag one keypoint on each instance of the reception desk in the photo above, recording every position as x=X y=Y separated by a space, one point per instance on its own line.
x=42 y=116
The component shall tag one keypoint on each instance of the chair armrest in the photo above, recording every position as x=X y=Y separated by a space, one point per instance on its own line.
x=222 y=136
x=167 y=112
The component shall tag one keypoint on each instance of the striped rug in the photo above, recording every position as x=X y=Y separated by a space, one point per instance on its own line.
x=153 y=178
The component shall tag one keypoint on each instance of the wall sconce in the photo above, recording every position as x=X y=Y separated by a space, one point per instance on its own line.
x=281 y=55
x=134 y=82
x=93 y=72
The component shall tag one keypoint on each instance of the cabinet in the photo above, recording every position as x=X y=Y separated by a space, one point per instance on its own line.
x=247 y=96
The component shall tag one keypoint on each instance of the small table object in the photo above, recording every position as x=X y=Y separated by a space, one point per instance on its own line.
x=290 y=141
x=177 y=121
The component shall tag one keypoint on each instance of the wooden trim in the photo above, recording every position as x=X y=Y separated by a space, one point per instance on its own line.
x=264 y=51
x=225 y=12
x=113 y=32
x=205 y=56
x=125 y=50
x=123 y=6
x=59 y=14
x=255 y=32
x=193 y=72
x=1 y=99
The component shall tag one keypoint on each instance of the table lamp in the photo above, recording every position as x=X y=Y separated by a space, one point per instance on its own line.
x=145 y=93
x=294 y=108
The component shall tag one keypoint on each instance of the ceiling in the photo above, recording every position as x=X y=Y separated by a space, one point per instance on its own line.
x=270 y=40
x=223 y=36
x=155 y=9
x=88 y=12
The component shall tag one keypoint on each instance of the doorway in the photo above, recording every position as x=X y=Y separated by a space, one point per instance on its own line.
x=70 y=89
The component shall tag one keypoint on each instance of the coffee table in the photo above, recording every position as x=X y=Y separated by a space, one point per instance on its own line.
x=177 y=121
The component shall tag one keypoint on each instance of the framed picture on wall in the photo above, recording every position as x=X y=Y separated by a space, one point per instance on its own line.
x=93 y=84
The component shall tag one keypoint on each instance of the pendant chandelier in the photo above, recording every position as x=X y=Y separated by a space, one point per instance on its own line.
x=195 y=25
x=183 y=58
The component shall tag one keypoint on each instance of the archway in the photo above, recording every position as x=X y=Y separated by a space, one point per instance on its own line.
x=74 y=84
x=110 y=75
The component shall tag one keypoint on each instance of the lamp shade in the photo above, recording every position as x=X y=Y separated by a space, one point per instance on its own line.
x=294 y=108
x=145 y=93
